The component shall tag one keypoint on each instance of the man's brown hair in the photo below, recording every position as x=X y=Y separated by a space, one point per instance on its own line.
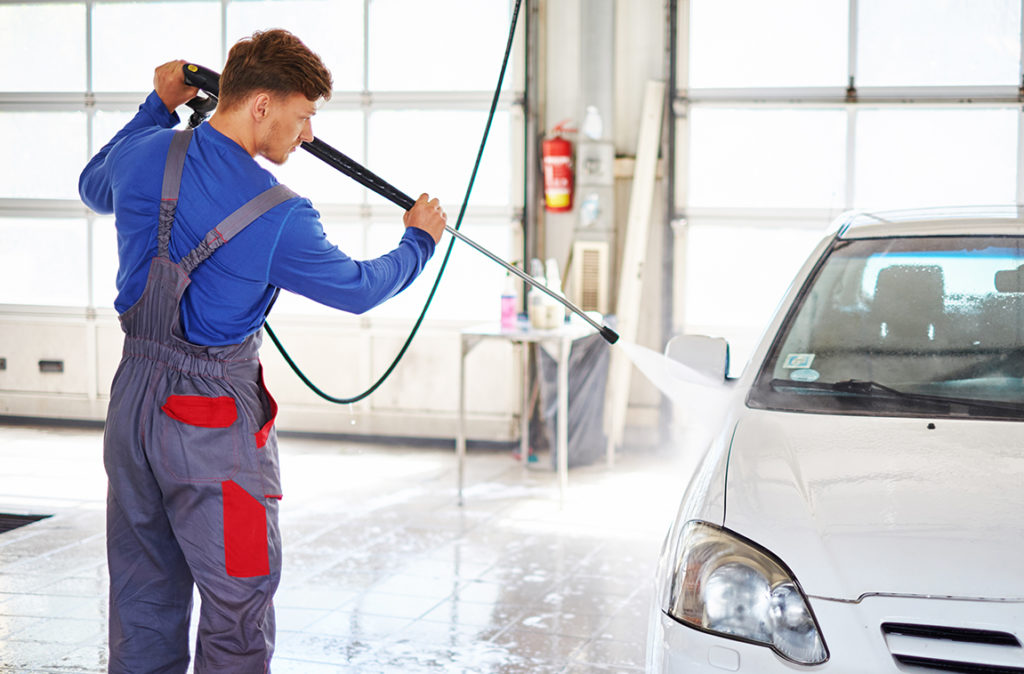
x=274 y=61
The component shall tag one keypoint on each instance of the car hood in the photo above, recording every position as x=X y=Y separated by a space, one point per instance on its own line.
x=868 y=505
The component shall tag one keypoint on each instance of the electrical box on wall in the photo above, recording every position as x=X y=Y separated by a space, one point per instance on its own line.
x=595 y=161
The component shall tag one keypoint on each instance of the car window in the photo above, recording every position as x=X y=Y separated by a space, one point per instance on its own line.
x=908 y=325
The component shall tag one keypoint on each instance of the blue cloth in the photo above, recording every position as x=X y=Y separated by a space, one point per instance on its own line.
x=285 y=248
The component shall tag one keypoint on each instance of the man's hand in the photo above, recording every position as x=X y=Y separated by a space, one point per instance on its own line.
x=169 y=82
x=427 y=214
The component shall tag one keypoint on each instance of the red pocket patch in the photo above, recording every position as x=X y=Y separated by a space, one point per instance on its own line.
x=245 y=533
x=202 y=411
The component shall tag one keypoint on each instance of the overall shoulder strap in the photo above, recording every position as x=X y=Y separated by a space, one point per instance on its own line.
x=169 y=190
x=235 y=223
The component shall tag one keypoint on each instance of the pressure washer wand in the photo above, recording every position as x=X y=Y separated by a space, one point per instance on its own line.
x=364 y=176
x=609 y=335
x=209 y=82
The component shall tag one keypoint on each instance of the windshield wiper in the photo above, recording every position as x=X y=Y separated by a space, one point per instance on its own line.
x=854 y=386
x=866 y=387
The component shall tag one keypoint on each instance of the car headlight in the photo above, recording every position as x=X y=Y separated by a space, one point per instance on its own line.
x=725 y=584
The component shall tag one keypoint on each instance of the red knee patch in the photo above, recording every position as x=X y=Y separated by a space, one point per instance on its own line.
x=201 y=411
x=245 y=533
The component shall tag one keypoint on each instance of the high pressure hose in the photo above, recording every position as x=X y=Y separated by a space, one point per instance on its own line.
x=208 y=81
x=444 y=262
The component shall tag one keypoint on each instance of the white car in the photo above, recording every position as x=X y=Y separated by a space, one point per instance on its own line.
x=861 y=507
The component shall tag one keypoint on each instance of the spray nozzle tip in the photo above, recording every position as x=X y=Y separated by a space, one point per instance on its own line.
x=609 y=335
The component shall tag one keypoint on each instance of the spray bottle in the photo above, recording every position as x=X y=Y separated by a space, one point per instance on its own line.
x=535 y=300
x=555 y=312
x=508 y=303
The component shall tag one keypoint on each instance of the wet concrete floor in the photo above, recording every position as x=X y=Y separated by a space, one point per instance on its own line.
x=383 y=571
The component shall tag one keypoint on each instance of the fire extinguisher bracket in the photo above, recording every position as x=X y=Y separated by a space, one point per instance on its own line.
x=595 y=164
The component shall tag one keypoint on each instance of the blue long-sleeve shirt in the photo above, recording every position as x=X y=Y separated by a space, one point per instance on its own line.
x=285 y=248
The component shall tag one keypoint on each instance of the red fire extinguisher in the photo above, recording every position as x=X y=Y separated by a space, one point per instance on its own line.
x=556 y=154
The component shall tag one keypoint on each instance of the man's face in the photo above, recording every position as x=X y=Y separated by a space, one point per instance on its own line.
x=287 y=126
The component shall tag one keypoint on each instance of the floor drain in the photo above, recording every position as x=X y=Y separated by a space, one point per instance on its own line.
x=9 y=522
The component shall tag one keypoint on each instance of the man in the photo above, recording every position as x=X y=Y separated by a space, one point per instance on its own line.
x=206 y=238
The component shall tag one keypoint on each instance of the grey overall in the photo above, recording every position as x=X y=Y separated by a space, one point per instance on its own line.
x=194 y=483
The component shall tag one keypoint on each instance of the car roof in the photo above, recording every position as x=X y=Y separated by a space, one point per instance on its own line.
x=946 y=221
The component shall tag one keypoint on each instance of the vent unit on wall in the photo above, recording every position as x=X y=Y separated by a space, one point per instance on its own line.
x=590 y=275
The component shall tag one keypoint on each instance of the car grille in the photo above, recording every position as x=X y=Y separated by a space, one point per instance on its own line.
x=954 y=649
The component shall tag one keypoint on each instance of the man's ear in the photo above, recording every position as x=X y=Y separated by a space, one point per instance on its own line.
x=260 y=106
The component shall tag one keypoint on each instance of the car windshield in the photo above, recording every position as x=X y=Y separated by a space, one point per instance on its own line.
x=907 y=326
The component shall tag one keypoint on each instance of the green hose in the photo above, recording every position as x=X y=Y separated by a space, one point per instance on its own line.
x=458 y=223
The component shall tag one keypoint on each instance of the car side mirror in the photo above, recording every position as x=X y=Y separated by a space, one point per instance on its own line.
x=707 y=355
x=1010 y=280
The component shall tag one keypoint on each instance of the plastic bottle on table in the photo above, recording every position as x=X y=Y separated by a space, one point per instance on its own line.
x=508 y=304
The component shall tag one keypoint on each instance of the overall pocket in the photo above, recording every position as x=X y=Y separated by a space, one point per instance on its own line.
x=250 y=511
x=266 y=443
x=200 y=437
x=246 y=549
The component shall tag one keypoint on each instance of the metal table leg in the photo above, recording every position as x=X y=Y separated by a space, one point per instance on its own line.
x=460 y=426
x=466 y=343
x=524 y=410
x=563 y=418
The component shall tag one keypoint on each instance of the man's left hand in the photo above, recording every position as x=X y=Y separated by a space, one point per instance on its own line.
x=427 y=214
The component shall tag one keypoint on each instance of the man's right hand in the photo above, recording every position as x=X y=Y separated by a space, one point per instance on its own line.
x=427 y=214
x=169 y=82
